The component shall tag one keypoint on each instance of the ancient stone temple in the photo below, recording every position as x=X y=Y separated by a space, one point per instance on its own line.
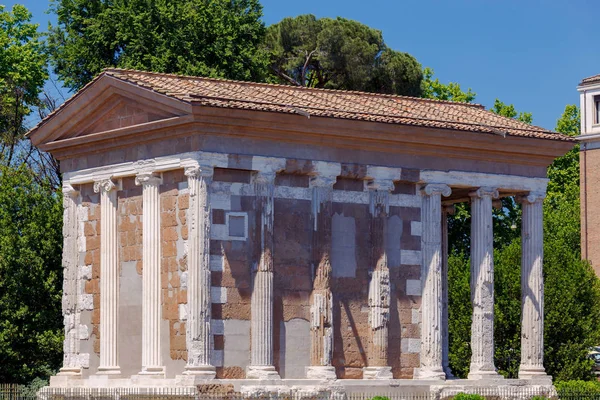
x=272 y=236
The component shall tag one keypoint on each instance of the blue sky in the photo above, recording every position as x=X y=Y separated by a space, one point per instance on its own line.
x=530 y=53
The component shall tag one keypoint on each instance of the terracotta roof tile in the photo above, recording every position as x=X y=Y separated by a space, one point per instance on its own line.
x=332 y=104
x=590 y=79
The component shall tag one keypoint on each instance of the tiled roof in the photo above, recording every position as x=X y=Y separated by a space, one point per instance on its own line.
x=590 y=79
x=340 y=104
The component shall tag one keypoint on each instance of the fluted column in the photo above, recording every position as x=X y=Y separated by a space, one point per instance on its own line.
x=71 y=362
x=321 y=305
x=198 y=292
x=431 y=278
x=261 y=356
x=532 y=288
x=151 y=286
x=482 y=284
x=379 y=286
x=446 y=210
x=109 y=278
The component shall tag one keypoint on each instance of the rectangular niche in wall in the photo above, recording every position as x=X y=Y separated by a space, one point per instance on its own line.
x=237 y=225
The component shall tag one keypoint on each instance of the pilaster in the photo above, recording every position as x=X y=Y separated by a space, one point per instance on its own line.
x=261 y=356
x=199 y=277
x=71 y=312
x=482 y=284
x=431 y=276
x=379 y=286
x=532 y=289
x=109 y=278
x=321 y=304
x=151 y=285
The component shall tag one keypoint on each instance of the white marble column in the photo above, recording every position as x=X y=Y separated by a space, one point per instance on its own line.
x=379 y=286
x=261 y=356
x=446 y=211
x=321 y=305
x=532 y=289
x=431 y=278
x=482 y=284
x=71 y=315
x=198 y=293
x=109 y=278
x=151 y=286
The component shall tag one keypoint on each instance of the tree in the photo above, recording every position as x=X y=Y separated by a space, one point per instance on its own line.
x=217 y=38
x=338 y=54
x=22 y=76
x=30 y=276
x=434 y=89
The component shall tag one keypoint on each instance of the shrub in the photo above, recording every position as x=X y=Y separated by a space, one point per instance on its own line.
x=468 y=396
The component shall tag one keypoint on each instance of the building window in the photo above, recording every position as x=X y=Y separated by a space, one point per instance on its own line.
x=237 y=225
x=596 y=110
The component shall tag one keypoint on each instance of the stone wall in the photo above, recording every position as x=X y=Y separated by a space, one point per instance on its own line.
x=129 y=226
x=234 y=251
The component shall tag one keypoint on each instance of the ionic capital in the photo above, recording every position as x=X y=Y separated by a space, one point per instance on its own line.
x=384 y=185
x=104 y=185
x=69 y=191
x=265 y=178
x=532 y=197
x=485 y=192
x=147 y=179
x=198 y=171
x=436 y=188
x=326 y=181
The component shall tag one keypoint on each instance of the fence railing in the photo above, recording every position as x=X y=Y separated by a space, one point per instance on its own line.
x=21 y=392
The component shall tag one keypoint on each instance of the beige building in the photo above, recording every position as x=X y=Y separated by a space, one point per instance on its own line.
x=256 y=235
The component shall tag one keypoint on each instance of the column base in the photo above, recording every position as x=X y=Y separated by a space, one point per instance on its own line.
x=537 y=374
x=200 y=371
x=114 y=371
x=484 y=374
x=69 y=371
x=155 y=371
x=320 y=372
x=429 y=373
x=377 y=373
x=262 y=372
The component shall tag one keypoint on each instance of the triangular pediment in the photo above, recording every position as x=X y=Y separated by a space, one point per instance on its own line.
x=107 y=105
x=122 y=112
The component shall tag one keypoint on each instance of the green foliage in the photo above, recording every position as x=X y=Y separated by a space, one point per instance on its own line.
x=434 y=89
x=459 y=314
x=507 y=308
x=338 y=54
x=508 y=110
x=22 y=76
x=577 y=386
x=380 y=398
x=30 y=390
x=30 y=277
x=468 y=396
x=217 y=38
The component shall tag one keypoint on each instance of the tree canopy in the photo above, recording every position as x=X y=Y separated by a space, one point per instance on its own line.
x=31 y=329
x=22 y=76
x=217 y=38
x=339 y=54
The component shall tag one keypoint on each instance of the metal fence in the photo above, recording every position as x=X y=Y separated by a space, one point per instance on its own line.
x=20 y=392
